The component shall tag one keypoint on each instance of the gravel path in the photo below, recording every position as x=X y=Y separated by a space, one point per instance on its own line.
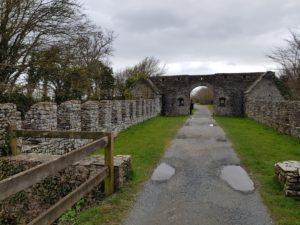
x=196 y=194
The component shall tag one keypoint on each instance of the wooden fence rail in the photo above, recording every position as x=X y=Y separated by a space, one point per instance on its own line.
x=36 y=174
x=54 y=212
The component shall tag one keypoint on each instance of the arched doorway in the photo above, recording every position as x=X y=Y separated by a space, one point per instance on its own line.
x=202 y=95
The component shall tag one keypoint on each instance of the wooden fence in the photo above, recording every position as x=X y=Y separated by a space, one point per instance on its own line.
x=36 y=174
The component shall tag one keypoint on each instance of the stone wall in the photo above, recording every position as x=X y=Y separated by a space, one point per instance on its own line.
x=105 y=110
x=72 y=115
x=284 y=116
x=116 y=116
x=90 y=116
x=69 y=115
x=8 y=115
x=265 y=104
x=41 y=116
x=125 y=109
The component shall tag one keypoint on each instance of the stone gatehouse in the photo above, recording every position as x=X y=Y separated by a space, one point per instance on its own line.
x=228 y=88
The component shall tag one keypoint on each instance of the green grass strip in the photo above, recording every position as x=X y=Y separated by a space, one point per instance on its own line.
x=259 y=148
x=146 y=143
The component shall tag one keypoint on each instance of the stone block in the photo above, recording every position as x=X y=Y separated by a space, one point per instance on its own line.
x=288 y=174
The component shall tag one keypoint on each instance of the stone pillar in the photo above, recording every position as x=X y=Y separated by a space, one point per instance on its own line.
x=144 y=109
x=90 y=116
x=125 y=114
x=105 y=112
x=153 y=107
x=139 y=110
x=157 y=106
x=69 y=115
x=148 y=115
x=69 y=118
x=41 y=116
x=150 y=108
x=132 y=112
x=8 y=115
x=116 y=114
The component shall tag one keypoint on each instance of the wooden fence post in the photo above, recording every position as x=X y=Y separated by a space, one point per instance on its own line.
x=12 y=139
x=109 y=162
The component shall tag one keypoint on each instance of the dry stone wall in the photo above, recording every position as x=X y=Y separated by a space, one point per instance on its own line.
x=8 y=115
x=41 y=116
x=104 y=115
x=284 y=116
x=105 y=110
x=90 y=116
x=69 y=115
x=132 y=111
x=116 y=114
x=125 y=114
x=138 y=110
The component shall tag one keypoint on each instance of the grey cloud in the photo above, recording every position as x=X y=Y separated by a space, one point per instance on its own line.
x=234 y=31
x=147 y=21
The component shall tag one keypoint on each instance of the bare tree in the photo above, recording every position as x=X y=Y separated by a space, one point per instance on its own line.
x=29 y=24
x=288 y=57
x=148 y=67
x=95 y=45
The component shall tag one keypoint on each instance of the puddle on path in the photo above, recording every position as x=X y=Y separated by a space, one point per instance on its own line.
x=181 y=136
x=163 y=172
x=237 y=178
x=221 y=139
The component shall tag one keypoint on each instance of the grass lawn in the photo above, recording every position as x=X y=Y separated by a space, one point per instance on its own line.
x=259 y=148
x=146 y=143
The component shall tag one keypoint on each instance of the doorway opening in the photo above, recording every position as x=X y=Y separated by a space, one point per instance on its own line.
x=202 y=95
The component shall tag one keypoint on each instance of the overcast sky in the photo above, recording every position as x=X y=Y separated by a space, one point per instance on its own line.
x=196 y=36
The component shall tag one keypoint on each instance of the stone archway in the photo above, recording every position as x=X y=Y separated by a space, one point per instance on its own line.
x=228 y=90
